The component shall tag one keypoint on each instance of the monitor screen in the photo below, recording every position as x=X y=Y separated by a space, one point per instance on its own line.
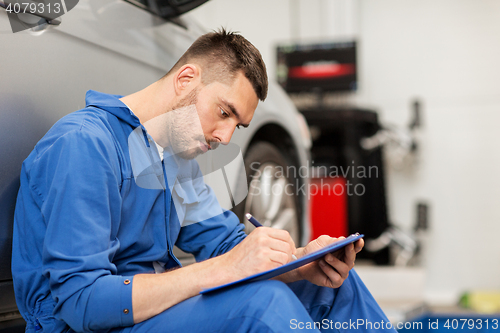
x=324 y=67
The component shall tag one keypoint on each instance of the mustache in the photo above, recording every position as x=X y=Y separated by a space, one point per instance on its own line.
x=213 y=143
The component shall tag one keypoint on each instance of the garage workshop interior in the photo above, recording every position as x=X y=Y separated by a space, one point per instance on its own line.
x=381 y=118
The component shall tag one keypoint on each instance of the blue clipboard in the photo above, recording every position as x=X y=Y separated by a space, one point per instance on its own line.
x=290 y=266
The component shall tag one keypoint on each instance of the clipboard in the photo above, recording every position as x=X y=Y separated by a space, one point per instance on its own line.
x=289 y=266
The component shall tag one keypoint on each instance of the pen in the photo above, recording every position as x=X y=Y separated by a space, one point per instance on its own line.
x=257 y=224
x=252 y=220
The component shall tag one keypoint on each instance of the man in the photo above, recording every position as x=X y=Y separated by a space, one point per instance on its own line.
x=110 y=189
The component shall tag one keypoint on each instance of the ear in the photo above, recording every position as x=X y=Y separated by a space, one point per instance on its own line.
x=187 y=76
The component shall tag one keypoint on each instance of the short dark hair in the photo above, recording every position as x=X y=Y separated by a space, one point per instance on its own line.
x=221 y=54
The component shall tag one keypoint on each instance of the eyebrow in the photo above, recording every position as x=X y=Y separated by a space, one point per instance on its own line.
x=236 y=114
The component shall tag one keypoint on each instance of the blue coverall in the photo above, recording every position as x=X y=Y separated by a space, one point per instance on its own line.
x=83 y=228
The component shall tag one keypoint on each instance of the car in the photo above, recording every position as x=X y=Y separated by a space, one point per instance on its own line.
x=120 y=47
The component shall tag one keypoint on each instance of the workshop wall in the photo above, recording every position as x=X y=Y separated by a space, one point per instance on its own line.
x=266 y=23
x=444 y=52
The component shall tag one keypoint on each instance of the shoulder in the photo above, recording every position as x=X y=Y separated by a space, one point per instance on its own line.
x=84 y=127
x=84 y=136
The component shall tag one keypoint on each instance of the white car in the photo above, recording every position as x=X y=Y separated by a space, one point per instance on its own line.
x=120 y=47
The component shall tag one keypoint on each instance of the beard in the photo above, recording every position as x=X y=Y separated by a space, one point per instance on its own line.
x=186 y=135
x=191 y=98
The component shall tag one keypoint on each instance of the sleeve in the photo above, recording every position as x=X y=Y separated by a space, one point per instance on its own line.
x=207 y=230
x=78 y=180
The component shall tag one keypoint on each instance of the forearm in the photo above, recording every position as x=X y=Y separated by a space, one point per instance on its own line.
x=263 y=249
x=154 y=293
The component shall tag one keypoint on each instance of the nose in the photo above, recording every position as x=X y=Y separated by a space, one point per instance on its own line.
x=226 y=134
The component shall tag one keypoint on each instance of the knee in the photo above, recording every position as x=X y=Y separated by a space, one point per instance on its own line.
x=267 y=295
x=271 y=306
x=271 y=289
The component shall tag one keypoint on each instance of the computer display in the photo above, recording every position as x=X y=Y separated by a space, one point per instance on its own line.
x=321 y=67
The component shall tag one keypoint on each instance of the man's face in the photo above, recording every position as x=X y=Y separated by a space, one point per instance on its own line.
x=206 y=117
x=223 y=108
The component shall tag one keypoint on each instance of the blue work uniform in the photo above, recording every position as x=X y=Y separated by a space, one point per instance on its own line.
x=84 y=226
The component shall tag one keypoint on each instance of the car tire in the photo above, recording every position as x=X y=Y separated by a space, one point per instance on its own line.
x=272 y=196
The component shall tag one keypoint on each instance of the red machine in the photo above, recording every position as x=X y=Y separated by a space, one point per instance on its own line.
x=328 y=207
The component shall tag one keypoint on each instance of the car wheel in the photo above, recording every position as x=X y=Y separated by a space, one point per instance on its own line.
x=272 y=197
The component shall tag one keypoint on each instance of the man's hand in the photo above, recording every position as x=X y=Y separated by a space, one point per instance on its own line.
x=264 y=249
x=331 y=270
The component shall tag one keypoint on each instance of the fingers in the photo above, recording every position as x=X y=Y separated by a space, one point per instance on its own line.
x=324 y=240
x=333 y=269
x=327 y=240
x=278 y=241
x=282 y=247
x=338 y=265
x=336 y=271
x=349 y=255
x=358 y=245
x=284 y=236
x=319 y=243
x=278 y=258
x=333 y=278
